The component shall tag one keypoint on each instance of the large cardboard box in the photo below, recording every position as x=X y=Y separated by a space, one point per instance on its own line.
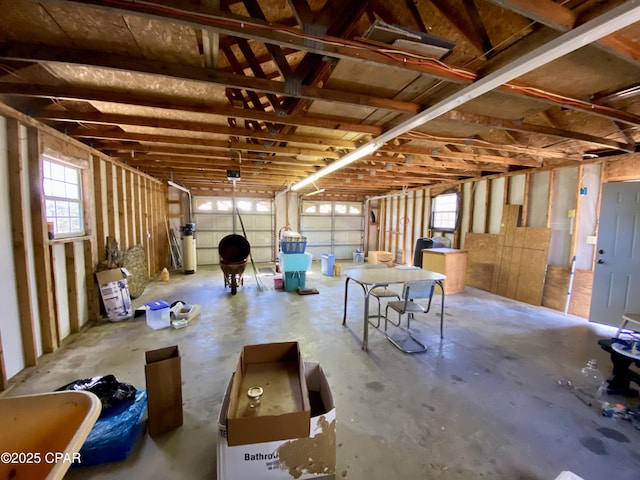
x=313 y=456
x=114 y=292
x=284 y=409
x=164 y=389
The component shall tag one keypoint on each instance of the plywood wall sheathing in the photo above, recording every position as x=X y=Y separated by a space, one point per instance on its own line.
x=537 y=238
x=481 y=259
x=556 y=288
x=621 y=170
x=533 y=266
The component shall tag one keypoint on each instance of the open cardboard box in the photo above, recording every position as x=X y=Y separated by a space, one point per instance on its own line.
x=313 y=456
x=284 y=409
x=114 y=293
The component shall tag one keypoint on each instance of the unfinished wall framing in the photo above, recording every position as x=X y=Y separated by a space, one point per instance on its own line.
x=557 y=214
x=52 y=292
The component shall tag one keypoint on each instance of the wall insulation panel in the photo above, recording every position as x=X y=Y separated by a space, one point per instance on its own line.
x=538 y=199
x=562 y=223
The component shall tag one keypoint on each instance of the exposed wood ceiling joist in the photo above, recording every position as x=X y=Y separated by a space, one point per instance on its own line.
x=294 y=85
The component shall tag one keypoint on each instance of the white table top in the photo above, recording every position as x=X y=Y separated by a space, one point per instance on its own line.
x=621 y=349
x=391 y=275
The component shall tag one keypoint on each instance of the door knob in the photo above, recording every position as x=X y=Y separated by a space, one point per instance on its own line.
x=600 y=251
x=600 y=261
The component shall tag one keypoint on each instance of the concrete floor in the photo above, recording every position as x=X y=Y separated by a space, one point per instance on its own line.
x=482 y=403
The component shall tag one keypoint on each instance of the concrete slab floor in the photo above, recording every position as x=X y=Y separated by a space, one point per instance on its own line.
x=484 y=402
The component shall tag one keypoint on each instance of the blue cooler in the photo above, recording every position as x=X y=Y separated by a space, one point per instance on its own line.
x=327 y=259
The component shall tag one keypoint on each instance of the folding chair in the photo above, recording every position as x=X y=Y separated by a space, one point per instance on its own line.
x=380 y=292
x=421 y=289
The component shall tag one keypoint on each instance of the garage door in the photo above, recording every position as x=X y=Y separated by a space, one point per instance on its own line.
x=332 y=227
x=214 y=218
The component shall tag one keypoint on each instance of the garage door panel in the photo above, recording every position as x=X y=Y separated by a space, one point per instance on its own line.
x=206 y=239
x=215 y=220
x=317 y=222
x=345 y=252
x=261 y=254
x=348 y=223
x=318 y=238
x=348 y=237
x=206 y=256
x=332 y=228
x=260 y=239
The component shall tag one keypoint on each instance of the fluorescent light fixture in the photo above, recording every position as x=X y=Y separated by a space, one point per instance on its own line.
x=615 y=19
x=350 y=157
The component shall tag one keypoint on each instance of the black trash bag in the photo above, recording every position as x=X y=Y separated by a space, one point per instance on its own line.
x=108 y=389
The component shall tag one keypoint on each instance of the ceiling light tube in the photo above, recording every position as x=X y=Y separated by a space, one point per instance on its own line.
x=609 y=22
x=352 y=156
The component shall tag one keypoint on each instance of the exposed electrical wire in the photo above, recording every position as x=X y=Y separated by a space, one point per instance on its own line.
x=400 y=56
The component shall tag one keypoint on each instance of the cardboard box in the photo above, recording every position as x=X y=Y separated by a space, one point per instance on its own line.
x=114 y=293
x=284 y=410
x=313 y=456
x=164 y=389
x=378 y=256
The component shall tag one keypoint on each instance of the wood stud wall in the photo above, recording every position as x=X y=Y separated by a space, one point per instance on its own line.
x=135 y=210
x=492 y=264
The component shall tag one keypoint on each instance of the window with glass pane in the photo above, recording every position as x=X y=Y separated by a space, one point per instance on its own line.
x=63 y=198
x=444 y=212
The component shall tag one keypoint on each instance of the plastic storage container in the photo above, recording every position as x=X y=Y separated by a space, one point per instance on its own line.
x=358 y=256
x=158 y=315
x=293 y=262
x=293 y=242
x=327 y=259
x=293 y=280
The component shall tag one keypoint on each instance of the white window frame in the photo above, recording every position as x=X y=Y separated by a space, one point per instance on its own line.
x=52 y=190
x=443 y=217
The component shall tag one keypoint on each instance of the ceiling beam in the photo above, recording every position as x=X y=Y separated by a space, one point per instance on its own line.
x=87 y=133
x=562 y=19
x=188 y=125
x=47 y=55
x=537 y=129
x=234 y=25
x=156 y=101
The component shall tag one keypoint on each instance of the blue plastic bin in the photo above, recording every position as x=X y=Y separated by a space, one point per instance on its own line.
x=295 y=262
x=327 y=259
x=293 y=280
x=358 y=256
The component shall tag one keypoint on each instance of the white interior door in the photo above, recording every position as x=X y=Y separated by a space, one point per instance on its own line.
x=616 y=280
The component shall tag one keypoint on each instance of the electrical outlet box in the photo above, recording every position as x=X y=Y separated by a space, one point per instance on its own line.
x=592 y=239
x=571 y=213
x=233 y=175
